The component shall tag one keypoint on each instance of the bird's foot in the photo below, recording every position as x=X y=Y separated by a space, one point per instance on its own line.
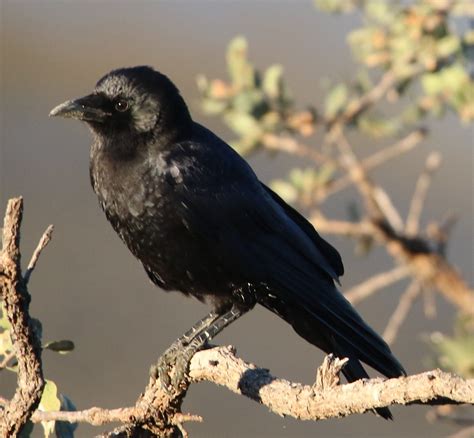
x=182 y=361
x=162 y=369
x=172 y=367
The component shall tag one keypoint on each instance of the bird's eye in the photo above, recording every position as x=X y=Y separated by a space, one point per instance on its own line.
x=121 y=105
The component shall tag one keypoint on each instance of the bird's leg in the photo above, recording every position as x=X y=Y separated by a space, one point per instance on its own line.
x=183 y=349
x=200 y=339
x=168 y=358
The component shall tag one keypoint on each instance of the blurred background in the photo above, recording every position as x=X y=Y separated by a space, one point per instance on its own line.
x=87 y=286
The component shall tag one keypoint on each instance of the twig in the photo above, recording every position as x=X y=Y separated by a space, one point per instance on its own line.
x=404 y=145
x=26 y=343
x=7 y=358
x=362 y=103
x=378 y=202
x=401 y=311
x=429 y=303
x=345 y=228
x=416 y=206
x=358 y=105
x=439 y=232
x=375 y=283
x=45 y=239
x=291 y=146
x=430 y=268
x=98 y=416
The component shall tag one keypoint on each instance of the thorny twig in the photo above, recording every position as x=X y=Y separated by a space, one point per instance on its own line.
x=45 y=238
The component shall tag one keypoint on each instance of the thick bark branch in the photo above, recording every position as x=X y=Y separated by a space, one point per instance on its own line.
x=26 y=343
x=318 y=402
x=221 y=366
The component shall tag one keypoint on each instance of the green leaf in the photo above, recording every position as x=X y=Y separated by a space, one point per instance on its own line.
x=245 y=146
x=432 y=83
x=378 y=127
x=360 y=41
x=273 y=81
x=243 y=124
x=4 y=324
x=335 y=100
x=455 y=77
x=213 y=106
x=285 y=190
x=250 y=101
x=202 y=84
x=49 y=402
x=64 y=346
x=325 y=173
x=52 y=401
x=456 y=354
x=334 y=6
x=240 y=70
x=468 y=38
x=450 y=79
x=448 y=45
x=381 y=11
x=5 y=342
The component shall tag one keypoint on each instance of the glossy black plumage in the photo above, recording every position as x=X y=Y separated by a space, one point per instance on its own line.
x=196 y=216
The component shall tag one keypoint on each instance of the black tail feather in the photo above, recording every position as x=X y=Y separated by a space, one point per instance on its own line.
x=311 y=328
x=353 y=371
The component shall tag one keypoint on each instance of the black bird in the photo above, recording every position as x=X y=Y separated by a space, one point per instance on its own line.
x=199 y=220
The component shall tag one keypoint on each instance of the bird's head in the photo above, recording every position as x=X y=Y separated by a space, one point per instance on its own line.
x=130 y=104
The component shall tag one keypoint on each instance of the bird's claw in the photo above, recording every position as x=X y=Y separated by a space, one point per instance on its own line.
x=172 y=367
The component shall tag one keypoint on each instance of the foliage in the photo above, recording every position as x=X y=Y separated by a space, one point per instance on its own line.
x=253 y=104
x=456 y=352
x=423 y=45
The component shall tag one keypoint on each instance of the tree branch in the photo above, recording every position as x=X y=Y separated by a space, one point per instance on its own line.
x=220 y=365
x=45 y=239
x=401 y=311
x=26 y=343
x=375 y=283
x=416 y=206
x=402 y=146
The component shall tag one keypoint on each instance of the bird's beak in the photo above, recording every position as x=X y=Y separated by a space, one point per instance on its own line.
x=87 y=108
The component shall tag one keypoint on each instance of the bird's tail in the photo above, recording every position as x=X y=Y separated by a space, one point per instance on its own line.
x=309 y=326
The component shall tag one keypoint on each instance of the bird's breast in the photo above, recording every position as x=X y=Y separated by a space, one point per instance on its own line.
x=144 y=205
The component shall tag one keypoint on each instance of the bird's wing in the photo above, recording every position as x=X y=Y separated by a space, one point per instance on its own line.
x=255 y=233
x=330 y=253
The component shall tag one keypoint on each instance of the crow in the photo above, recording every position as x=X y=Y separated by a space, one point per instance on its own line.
x=194 y=213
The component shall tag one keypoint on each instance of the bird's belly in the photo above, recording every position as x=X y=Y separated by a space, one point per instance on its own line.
x=174 y=257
